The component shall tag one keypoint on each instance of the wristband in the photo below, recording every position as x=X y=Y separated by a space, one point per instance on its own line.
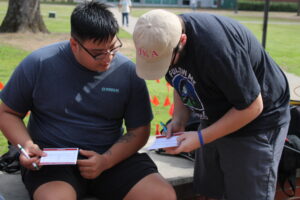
x=200 y=138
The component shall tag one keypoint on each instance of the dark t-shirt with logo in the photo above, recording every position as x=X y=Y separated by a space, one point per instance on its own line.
x=72 y=106
x=224 y=66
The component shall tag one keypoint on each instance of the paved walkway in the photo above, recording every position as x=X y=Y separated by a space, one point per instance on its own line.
x=294 y=80
x=118 y=15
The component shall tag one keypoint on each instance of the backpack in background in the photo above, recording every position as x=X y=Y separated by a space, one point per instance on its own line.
x=9 y=162
x=290 y=159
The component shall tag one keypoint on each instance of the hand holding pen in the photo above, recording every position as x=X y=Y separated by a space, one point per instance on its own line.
x=172 y=128
x=22 y=151
x=165 y=129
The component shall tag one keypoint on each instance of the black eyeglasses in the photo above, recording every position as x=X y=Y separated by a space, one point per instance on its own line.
x=102 y=55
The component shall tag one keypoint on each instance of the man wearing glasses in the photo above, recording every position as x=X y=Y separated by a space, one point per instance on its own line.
x=79 y=93
x=220 y=72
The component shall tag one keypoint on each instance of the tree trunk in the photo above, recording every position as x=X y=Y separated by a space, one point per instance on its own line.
x=298 y=11
x=23 y=16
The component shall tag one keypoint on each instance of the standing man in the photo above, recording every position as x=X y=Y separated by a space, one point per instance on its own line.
x=79 y=93
x=193 y=4
x=125 y=6
x=220 y=71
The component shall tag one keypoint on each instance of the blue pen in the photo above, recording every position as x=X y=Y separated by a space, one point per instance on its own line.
x=164 y=127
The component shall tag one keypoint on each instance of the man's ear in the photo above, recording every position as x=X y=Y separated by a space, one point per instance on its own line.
x=183 y=39
x=73 y=44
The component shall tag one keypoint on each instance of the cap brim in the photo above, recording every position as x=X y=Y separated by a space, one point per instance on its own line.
x=152 y=70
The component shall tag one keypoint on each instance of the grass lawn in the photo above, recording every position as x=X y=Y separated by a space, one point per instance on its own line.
x=282 y=44
x=7 y=64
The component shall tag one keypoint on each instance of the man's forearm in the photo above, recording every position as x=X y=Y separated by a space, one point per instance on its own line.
x=181 y=112
x=127 y=145
x=232 y=121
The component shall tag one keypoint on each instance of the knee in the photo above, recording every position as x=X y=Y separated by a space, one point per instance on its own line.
x=153 y=186
x=166 y=192
x=55 y=190
x=171 y=194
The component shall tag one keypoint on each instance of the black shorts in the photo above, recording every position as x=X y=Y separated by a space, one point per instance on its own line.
x=113 y=183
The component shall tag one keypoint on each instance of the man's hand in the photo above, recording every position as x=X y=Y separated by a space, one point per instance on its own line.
x=188 y=141
x=174 y=127
x=93 y=166
x=34 y=152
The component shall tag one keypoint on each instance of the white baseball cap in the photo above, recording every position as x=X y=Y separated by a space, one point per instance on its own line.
x=155 y=36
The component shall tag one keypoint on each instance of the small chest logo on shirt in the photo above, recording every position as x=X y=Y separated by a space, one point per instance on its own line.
x=112 y=90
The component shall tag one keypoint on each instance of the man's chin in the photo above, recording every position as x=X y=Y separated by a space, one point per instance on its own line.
x=102 y=68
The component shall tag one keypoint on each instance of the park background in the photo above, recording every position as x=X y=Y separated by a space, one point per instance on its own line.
x=283 y=44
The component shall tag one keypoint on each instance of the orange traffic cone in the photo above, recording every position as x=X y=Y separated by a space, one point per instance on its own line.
x=167 y=101
x=157 y=130
x=158 y=81
x=1 y=86
x=151 y=100
x=28 y=113
x=168 y=86
x=155 y=101
x=171 y=110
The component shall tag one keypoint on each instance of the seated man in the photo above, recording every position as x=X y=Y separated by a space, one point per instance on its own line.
x=79 y=93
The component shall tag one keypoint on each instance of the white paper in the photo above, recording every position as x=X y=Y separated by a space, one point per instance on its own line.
x=60 y=156
x=163 y=142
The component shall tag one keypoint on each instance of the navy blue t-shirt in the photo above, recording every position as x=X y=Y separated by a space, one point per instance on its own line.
x=224 y=66
x=72 y=106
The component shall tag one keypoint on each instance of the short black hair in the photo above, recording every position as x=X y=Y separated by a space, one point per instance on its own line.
x=93 y=21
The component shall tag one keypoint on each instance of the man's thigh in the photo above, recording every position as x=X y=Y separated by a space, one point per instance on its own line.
x=63 y=173
x=208 y=176
x=236 y=167
x=250 y=168
x=160 y=189
x=55 y=190
x=116 y=182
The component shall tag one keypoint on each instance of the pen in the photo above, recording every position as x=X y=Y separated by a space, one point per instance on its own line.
x=164 y=127
x=22 y=150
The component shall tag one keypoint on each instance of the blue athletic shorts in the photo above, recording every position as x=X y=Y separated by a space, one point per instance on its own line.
x=244 y=167
x=113 y=183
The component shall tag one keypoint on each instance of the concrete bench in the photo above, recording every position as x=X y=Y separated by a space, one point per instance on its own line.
x=178 y=171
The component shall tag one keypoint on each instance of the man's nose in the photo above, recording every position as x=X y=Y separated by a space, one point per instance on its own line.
x=108 y=57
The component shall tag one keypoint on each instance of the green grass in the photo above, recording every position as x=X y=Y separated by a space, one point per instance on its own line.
x=9 y=59
x=282 y=44
x=61 y=23
x=160 y=112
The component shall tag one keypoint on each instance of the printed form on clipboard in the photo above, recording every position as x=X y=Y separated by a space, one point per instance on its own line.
x=162 y=141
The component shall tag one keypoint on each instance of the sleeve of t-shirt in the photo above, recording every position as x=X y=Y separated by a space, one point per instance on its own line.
x=138 y=111
x=17 y=93
x=232 y=72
